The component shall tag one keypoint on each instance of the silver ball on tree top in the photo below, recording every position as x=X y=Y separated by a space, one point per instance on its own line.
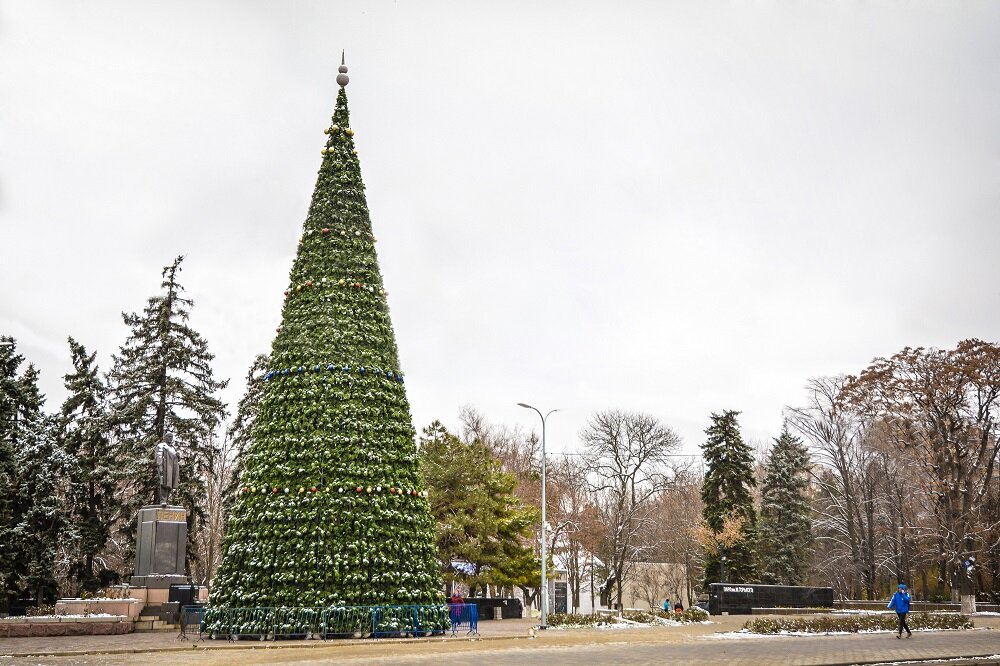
x=342 y=78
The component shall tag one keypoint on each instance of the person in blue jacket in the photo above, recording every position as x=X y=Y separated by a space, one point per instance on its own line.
x=900 y=603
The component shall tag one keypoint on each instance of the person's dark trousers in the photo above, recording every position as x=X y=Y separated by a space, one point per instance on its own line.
x=902 y=624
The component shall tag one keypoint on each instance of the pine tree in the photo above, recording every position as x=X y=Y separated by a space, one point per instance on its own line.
x=161 y=380
x=726 y=496
x=93 y=473
x=785 y=539
x=332 y=509
x=481 y=521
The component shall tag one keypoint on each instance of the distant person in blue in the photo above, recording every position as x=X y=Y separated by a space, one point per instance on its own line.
x=900 y=603
x=666 y=605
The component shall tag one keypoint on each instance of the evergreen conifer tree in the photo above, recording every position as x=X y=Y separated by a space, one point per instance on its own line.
x=481 y=521
x=16 y=407
x=33 y=516
x=44 y=524
x=785 y=538
x=726 y=495
x=161 y=380
x=93 y=472
x=332 y=509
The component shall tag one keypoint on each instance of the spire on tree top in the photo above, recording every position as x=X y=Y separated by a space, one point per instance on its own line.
x=342 y=78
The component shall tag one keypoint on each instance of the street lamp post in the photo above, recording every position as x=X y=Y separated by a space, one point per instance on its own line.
x=545 y=585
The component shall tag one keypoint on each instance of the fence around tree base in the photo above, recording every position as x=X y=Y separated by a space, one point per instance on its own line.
x=273 y=623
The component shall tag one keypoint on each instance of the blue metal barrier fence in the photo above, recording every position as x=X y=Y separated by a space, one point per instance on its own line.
x=464 y=616
x=332 y=622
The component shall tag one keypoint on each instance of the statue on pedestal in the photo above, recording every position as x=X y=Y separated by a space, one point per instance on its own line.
x=166 y=464
x=161 y=534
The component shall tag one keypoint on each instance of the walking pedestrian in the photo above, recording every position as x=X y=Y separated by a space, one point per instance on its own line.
x=900 y=603
x=666 y=605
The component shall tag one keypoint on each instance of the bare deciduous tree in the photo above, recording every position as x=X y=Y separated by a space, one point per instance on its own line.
x=945 y=404
x=628 y=454
x=218 y=478
x=849 y=484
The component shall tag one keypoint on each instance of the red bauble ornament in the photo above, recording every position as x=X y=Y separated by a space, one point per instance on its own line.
x=313 y=488
x=275 y=491
x=360 y=489
x=326 y=231
x=309 y=283
x=286 y=292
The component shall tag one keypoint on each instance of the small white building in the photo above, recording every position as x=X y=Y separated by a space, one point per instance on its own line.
x=650 y=584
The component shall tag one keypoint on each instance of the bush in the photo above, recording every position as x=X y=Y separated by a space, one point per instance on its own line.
x=642 y=617
x=574 y=620
x=41 y=610
x=855 y=623
x=693 y=614
x=655 y=616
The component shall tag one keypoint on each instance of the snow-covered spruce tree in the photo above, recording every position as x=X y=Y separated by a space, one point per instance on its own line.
x=33 y=516
x=10 y=361
x=161 y=380
x=44 y=524
x=20 y=412
x=784 y=542
x=93 y=474
x=726 y=495
x=332 y=510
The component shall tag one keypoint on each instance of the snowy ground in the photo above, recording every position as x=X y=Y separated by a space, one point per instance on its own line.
x=746 y=633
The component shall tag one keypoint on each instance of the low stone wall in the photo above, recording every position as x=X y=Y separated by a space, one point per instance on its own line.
x=914 y=605
x=21 y=627
x=130 y=608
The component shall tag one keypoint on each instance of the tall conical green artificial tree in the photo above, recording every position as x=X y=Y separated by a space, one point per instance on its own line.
x=332 y=510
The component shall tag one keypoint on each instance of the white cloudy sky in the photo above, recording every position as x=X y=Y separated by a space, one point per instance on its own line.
x=662 y=206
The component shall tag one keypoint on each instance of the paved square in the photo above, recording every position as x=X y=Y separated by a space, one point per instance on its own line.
x=508 y=643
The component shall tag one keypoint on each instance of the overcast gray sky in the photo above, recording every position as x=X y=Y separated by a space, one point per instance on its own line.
x=670 y=207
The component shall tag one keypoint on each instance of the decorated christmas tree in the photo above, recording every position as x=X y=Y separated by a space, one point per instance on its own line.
x=331 y=510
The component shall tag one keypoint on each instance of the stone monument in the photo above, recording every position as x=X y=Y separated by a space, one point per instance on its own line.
x=161 y=546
